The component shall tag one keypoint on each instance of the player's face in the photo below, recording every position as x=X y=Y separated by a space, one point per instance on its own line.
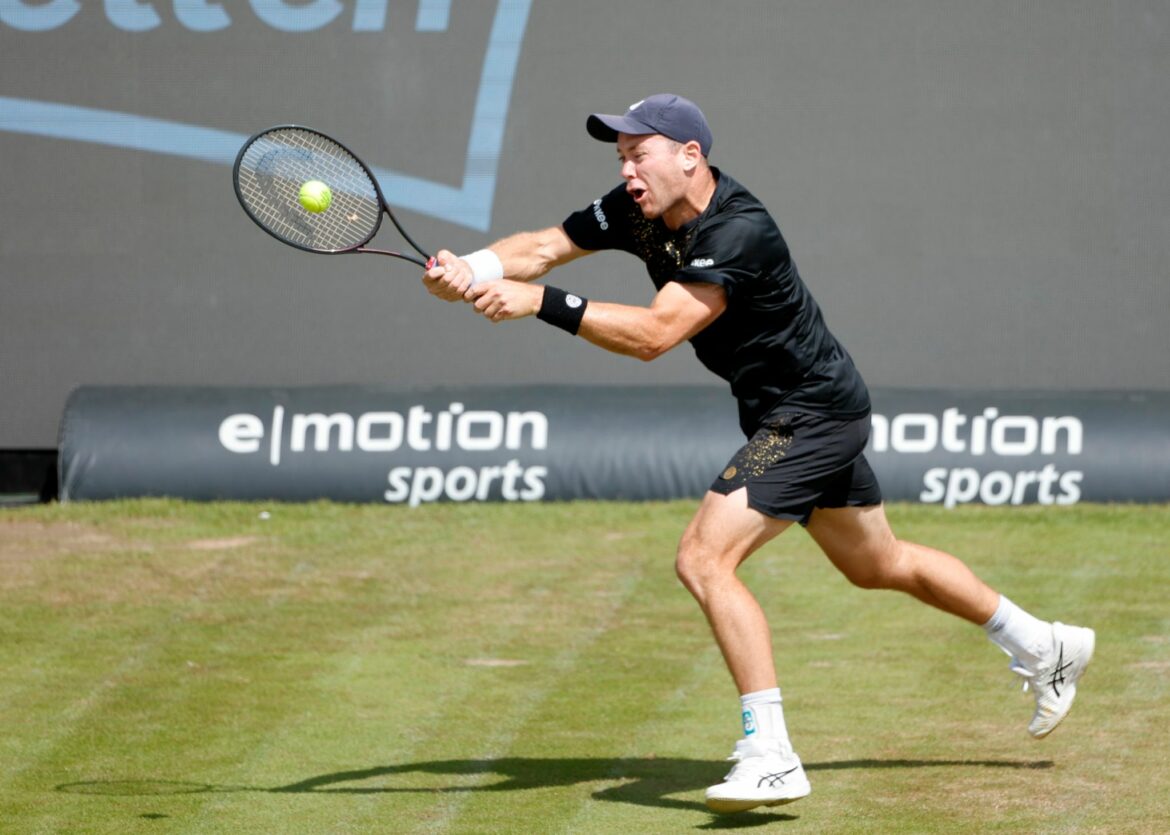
x=655 y=172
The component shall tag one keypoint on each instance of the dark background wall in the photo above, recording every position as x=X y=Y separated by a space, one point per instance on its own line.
x=977 y=193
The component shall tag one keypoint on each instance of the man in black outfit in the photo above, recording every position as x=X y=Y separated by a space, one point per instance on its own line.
x=726 y=282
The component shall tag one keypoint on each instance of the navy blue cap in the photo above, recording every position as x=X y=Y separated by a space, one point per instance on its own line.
x=672 y=116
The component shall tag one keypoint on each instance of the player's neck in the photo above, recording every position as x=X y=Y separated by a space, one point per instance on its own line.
x=696 y=200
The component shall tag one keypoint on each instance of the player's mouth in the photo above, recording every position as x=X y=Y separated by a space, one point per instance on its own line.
x=637 y=194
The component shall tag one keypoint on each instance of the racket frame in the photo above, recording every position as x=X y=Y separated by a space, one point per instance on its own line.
x=425 y=262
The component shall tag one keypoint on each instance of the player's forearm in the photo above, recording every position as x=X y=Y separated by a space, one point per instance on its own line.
x=677 y=313
x=527 y=256
x=632 y=331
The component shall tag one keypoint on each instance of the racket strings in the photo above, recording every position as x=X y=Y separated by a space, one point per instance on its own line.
x=270 y=175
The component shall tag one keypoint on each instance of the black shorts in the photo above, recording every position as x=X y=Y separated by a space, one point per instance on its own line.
x=798 y=462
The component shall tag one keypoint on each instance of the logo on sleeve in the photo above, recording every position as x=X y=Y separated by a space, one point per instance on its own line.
x=703 y=262
x=600 y=215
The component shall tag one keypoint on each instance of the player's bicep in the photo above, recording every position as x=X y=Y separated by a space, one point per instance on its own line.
x=683 y=310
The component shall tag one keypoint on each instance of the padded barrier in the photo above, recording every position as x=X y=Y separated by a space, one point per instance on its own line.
x=364 y=444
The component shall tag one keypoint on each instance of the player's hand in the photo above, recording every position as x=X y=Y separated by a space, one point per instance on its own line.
x=450 y=277
x=505 y=299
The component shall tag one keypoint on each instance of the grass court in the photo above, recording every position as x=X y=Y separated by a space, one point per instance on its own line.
x=173 y=667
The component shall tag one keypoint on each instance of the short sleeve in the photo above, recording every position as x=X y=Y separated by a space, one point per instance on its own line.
x=727 y=252
x=604 y=224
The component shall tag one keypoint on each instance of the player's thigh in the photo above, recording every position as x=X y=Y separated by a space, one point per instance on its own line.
x=725 y=531
x=857 y=540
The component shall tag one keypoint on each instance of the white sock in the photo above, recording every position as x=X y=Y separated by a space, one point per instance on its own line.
x=763 y=717
x=1017 y=633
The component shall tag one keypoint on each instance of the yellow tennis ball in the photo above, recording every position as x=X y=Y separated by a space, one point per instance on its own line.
x=315 y=196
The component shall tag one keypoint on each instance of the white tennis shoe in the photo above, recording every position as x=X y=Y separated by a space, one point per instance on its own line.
x=764 y=774
x=1054 y=680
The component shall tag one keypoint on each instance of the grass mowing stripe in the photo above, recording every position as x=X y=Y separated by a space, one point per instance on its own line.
x=464 y=812
x=660 y=681
x=70 y=715
x=579 y=736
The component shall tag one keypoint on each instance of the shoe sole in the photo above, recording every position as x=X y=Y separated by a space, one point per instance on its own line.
x=729 y=806
x=1088 y=656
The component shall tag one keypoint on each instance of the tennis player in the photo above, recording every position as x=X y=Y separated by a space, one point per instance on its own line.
x=726 y=282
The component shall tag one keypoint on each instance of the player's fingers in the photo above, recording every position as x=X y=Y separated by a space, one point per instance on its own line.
x=496 y=308
x=476 y=291
x=430 y=282
x=483 y=304
x=457 y=282
x=439 y=265
x=439 y=287
x=501 y=310
x=449 y=279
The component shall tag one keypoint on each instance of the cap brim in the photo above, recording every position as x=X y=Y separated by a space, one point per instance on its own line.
x=606 y=128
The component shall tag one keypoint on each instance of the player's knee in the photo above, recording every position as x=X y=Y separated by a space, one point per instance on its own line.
x=694 y=565
x=868 y=577
x=685 y=567
x=884 y=568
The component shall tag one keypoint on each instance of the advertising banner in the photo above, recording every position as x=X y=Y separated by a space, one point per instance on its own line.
x=999 y=448
x=553 y=443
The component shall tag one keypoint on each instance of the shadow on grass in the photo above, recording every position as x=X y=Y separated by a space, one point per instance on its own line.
x=642 y=782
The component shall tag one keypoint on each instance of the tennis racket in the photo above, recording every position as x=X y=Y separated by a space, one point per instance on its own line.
x=273 y=167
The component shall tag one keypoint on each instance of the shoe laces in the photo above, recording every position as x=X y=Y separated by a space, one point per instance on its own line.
x=744 y=748
x=748 y=748
x=1018 y=668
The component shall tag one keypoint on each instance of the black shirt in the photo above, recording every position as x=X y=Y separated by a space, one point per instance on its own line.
x=771 y=343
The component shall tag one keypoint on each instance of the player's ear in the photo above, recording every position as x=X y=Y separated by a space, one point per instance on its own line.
x=692 y=155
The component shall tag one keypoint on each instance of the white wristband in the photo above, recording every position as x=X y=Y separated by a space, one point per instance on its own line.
x=485 y=266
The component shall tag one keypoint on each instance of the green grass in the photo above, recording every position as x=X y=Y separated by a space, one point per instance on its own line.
x=194 y=668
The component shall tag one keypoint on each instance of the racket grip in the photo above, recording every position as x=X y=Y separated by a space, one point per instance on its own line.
x=431 y=262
